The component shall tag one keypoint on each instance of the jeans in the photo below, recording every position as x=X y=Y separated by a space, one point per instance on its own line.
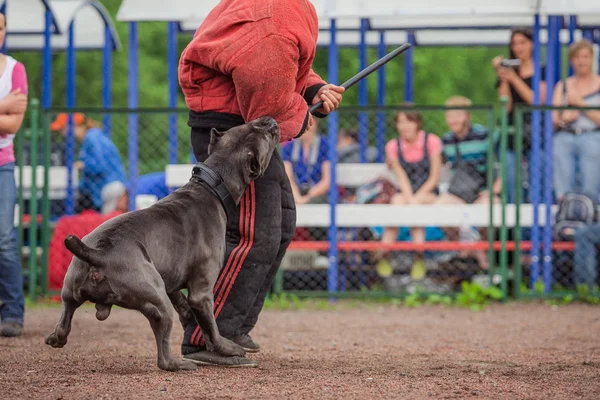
x=12 y=302
x=572 y=153
x=585 y=270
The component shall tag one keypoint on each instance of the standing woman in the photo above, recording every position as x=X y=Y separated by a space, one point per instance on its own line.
x=13 y=103
x=516 y=83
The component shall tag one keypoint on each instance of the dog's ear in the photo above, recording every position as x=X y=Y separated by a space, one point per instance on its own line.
x=254 y=166
x=215 y=135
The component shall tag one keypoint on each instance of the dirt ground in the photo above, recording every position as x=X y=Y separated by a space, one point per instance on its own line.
x=524 y=351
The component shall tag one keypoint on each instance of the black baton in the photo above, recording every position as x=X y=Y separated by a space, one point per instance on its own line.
x=365 y=72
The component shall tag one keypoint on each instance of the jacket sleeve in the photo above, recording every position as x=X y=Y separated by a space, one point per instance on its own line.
x=315 y=83
x=265 y=82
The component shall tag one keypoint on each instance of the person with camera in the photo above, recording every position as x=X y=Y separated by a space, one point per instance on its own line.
x=515 y=82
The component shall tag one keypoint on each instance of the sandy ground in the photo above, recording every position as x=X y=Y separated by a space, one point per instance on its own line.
x=524 y=351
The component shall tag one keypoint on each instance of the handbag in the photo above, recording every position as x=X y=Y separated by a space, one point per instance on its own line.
x=467 y=182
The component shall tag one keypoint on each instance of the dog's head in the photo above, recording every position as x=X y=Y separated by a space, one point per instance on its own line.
x=248 y=147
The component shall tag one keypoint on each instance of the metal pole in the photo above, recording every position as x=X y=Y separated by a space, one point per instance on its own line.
x=45 y=202
x=362 y=92
x=33 y=200
x=535 y=155
x=518 y=275
x=107 y=79
x=3 y=11
x=332 y=273
x=70 y=151
x=551 y=55
x=503 y=196
x=172 y=88
x=132 y=154
x=47 y=64
x=408 y=70
x=572 y=28
x=381 y=101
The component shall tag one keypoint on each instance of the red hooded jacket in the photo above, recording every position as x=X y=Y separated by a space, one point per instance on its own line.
x=253 y=58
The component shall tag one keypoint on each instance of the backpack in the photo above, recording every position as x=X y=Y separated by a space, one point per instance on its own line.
x=575 y=211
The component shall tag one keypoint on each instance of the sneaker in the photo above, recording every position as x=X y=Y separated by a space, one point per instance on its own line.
x=247 y=343
x=214 y=359
x=418 y=270
x=384 y=268
x=11 y=329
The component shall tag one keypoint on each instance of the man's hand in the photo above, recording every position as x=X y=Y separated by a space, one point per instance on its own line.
x=331 y=95
x=15 y=102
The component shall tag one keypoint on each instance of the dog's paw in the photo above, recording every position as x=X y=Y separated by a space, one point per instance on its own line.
x=53 y=340
x=187 y=366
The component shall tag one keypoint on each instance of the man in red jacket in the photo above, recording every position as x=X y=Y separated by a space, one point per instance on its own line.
x=252 y=58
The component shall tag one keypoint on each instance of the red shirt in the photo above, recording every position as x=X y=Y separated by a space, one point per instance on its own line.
x=253 y=58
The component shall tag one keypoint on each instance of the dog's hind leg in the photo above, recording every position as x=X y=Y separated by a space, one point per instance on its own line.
x=58 y=338
x=157 y=308
x=180 y=303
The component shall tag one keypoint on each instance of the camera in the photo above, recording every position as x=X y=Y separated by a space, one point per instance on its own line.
x=510 y=63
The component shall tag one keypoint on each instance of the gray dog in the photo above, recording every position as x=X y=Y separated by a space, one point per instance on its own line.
x=141 y=260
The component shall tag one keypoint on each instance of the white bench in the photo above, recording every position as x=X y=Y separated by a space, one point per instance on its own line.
x=356 y=215
x=57 y=180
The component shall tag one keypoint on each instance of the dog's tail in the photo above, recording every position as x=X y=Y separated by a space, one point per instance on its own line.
x=82 y=251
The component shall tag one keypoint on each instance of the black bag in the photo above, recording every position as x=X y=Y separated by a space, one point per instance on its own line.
x=466 y=183
x=575 y=211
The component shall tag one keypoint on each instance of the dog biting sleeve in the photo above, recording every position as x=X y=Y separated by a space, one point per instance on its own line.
x=265 y=79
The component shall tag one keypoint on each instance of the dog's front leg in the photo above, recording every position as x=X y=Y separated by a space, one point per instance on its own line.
x=58 y=338
x=200 y=300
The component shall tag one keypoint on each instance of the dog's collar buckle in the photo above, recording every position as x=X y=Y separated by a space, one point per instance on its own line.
x=204 y=173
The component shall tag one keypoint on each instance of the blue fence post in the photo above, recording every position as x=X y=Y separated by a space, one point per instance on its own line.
x=551 y=55
x=70 y=151
x=107 y=79
x=380 y=141
x=572 y=29
x=409 y=70
x=47 y=64
x=598 y=43
x=132 y=154
x=362 y=92
x=172 y=83
x=332 y=124
x=535 y=155
x=3 y=11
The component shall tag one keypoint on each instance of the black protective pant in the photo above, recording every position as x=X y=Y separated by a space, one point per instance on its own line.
x=257 y=239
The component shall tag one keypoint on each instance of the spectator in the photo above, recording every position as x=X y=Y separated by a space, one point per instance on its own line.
x=349 y=148
x=585 y=269
x=307 y=166
x=577 y=142
x=415 y=158
x=466 y=149
x=13 y=103
x=517 y=85
x=99 y=160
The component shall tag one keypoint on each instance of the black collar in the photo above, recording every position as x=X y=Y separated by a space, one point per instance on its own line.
x=204 y=173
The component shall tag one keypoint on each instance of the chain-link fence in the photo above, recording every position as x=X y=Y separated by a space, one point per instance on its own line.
x=413 y=209
x=557 y=242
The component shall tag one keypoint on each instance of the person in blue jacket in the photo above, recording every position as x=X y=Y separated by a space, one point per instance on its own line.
x=99 y=160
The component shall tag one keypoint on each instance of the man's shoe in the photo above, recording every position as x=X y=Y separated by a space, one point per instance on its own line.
x=11 y=329
x=215 y=359
x=247 y=343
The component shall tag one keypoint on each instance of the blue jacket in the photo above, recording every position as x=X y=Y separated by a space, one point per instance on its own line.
x=102 y=164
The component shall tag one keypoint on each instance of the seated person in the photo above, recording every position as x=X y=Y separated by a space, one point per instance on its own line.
x=466 y=150
x=349 y=148
x=577 y=140
x=307 y=166
x=99 y=159
x=415 y=157
x=585 y=269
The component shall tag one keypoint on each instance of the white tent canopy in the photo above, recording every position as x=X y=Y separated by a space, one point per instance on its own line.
x=27 y=21
x=435 y=22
